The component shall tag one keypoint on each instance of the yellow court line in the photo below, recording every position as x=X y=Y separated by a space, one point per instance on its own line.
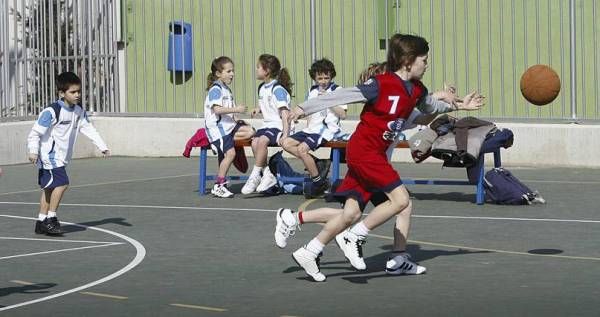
x=103 y=295
x=452 y=246
x=215 y=309
x=305 y=204
x=22 y=282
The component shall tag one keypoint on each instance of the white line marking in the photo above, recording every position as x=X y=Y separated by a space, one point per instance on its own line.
x=139 y=257
x=21 y=282
x=215 y=309
x=103 y=295
x=104 y=183
x=273 y=210
x=142 y=206
x=59 y=240
x=57 y=251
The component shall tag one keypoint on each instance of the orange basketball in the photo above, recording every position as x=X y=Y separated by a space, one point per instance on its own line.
x=540 y=85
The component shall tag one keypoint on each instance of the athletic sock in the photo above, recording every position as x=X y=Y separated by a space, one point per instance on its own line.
x=41 y=217
x=360 y=229
x=220 y=180
x=256 y=171
x=299 y=217
x=315 y=246
x=51 y=214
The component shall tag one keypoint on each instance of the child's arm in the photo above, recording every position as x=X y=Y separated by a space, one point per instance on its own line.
x=284 y=113
x=46 y=119
x=339 y=111
x=86 y=127
x=337 y=97
x=217 y=109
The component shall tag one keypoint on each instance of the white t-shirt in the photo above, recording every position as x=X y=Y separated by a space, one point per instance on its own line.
x=218 y=126
x=52 y=138
x=325 y=122
x=271 y=98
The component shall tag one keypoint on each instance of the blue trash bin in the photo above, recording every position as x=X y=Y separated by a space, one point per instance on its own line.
x=181 y=58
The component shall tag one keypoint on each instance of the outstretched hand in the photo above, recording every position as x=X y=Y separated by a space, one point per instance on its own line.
x=472 y=101
x=295 y=114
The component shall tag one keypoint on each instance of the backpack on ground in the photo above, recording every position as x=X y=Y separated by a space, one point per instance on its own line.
x=502 y=187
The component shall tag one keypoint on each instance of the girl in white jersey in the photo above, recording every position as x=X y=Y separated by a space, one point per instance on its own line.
x=50 y=144
x=222 y=128
x=274 y=104
x=322 y=126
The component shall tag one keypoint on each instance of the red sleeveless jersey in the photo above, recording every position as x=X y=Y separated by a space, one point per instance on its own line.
x=379 y=120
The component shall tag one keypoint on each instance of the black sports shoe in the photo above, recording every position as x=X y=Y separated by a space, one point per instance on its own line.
x=323 y=167
x=49 y=226
x=317 y=189
x=39 y=227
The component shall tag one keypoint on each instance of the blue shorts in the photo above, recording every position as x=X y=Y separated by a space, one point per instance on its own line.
x=56 y=177
x=313 y=140
x=221 y=146
x=272 y=133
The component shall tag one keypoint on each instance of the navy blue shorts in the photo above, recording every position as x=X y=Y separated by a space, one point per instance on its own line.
x=221 y=146
x=53 y=178
x=271 y=133
x=311 y=139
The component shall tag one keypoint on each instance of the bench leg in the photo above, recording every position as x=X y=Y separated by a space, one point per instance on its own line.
x=202 y=173
x=480 y=193
x=335 y=173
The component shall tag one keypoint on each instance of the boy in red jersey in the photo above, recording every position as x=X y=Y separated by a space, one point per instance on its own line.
x=390 y=99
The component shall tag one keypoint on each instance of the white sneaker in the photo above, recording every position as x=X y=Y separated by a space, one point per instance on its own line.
x=285 y=227
x=351 y=245
x=251 y=184
x=268 y=180
x=220 y=190
x=402 y=264
x=310 y=263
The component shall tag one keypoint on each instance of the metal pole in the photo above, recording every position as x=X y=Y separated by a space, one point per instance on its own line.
x=90 y=94
x=572 y=62
x=313 y=31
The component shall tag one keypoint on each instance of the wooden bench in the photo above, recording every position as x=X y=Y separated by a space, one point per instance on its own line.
x=336 y=150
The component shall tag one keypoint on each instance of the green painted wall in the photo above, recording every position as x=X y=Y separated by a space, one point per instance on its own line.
x=484 y=45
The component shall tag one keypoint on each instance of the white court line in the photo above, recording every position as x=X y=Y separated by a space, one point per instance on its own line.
x=273 y=210
x=104 y=183
x=59 y=240
x=141 y=206
x=187 y=175
x=139 y=257
x=58 y=251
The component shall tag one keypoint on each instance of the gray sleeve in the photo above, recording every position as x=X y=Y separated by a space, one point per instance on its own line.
x=340 y=96
x=431 y=105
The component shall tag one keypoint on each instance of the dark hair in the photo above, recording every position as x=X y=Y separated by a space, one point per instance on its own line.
x=271 y=64
x=373 y=69
x=216 y=65
x=66 y=80
x=403 y=49
x=322 y=66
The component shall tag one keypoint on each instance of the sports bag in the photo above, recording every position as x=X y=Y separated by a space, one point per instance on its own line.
x=502 y=187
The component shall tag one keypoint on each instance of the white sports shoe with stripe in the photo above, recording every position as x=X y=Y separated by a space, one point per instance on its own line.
x=310 y=263
x=251 y=184
x=285 y=227
x=351 y=244
x=220 y=190
x=401 y=264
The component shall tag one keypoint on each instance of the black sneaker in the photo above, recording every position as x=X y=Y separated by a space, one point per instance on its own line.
x=39 y=228
x=51 y=226
x=317 y=189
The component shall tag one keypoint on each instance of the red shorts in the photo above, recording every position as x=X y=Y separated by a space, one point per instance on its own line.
x=365 y=178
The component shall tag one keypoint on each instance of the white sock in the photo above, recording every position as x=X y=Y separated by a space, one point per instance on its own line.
x=360 y=229
x=266 y=171
x=51 y=214
x=41 y=217
x=315 y=246
x=256 y=171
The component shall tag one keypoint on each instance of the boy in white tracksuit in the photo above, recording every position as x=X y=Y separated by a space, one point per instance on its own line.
x=50 y=144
